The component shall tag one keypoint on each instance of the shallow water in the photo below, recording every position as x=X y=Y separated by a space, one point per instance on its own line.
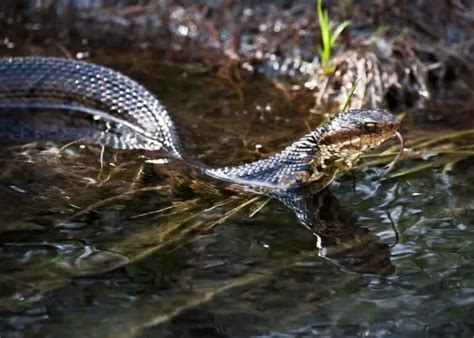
x=99 y=243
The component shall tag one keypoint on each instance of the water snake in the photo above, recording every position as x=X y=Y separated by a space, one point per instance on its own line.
x=70 y=99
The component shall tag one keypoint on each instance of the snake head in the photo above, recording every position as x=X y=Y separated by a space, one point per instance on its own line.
x=354 y=132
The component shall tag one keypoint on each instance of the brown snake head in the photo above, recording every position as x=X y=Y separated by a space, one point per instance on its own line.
x=354 y=132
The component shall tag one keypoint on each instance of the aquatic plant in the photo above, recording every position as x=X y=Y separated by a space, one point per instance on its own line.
x=329 y=34
x=346 y=105
x=426 y=150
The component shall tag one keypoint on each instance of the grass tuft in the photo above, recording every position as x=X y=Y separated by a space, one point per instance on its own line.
x=329 y=34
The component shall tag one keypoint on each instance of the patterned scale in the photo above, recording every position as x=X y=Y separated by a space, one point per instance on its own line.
x=283 y=169
x=114 y=109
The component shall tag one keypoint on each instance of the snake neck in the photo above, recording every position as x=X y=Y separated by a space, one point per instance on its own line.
x=295 y=165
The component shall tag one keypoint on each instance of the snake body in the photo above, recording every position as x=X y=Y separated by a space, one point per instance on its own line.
x=63 y=100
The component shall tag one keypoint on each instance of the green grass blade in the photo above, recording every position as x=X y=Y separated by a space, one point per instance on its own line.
x=325 y=51
x=349 y=97
x=338 y=31
x=329 y=35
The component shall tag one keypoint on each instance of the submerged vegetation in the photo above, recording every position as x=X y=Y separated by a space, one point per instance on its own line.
x=425 y=150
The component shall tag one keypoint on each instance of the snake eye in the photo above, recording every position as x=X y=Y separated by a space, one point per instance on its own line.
x=370 y=127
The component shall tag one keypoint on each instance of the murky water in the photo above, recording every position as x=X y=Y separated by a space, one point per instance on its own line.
x=99 y=243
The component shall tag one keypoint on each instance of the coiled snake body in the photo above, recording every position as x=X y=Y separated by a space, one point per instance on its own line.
x=68 y=99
